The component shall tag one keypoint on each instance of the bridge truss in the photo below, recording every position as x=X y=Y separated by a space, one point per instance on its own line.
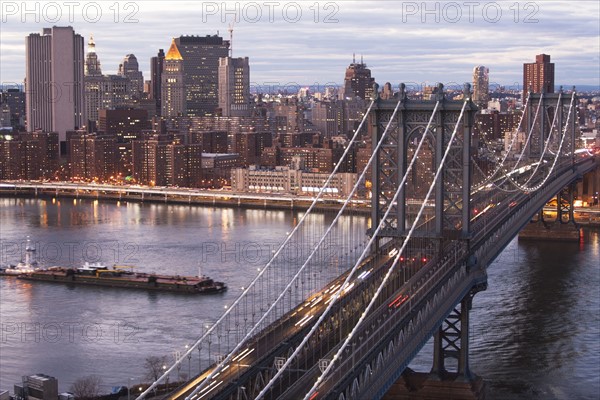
x=337 y=313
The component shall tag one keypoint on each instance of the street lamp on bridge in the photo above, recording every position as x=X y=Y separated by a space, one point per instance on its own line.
x=189 y=357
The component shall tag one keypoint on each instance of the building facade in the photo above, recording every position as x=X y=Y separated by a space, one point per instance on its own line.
x=157 y=163
x=201 y=56
x=125 y=125
x=287 y=116
x=13 y=100
x=103 y=91
x=338 y=118
x=286 y=180
x=328 y=117
x=538 y=76
x=92 y=157
x=37 y=387
x=358 y=81
x=54 y=82
x=173 y=88
x=481 y=86
x=130 y=69
x=30 y=156
x=156 y=67
x=234 y=87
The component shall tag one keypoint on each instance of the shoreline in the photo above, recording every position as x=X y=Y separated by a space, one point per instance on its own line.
x=222 y=199
x=590 y=217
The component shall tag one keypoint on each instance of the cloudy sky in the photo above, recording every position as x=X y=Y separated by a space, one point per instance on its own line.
x=312 y=42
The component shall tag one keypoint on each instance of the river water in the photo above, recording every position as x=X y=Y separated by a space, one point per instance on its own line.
x=535 y=331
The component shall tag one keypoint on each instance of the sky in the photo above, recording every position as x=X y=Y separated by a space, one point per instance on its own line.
x=312 y=42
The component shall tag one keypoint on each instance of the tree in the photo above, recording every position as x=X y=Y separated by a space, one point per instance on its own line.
x=87 y=387
x=154 y=367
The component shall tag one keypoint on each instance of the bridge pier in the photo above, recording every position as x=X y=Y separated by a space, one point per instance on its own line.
x=563 y=228
x=538 y=230
x=420 y=386
x=445 y=381
x=451 y=341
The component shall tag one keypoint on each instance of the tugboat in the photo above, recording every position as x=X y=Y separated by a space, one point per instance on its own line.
x=23 y=267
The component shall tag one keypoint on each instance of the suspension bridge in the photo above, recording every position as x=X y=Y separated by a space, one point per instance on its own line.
x=444 y=204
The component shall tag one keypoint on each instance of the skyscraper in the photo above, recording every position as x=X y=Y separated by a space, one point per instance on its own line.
x=234 y=87
x=103 y=91
x=328 y=117
x=156 y=66
x=481 y=86
x=358 y=81
x=54 y=79
x=201 y=71
x=92 y=63
x=14 y=98
x=130 y=69
x=539 y=76
x=173 y=88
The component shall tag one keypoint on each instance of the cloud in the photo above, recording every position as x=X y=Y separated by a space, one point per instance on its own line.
x=400 y=40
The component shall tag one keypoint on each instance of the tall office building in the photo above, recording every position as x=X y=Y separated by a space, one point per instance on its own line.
x=287 y=116
x=54 y=82
x=173 y=88
x=156 y=67
x=538 y=76
x=92 y=63
x=481 y=86
x=201 y=71
x=130 y=69
x=14 y=99
x=358 y=81
x=93 y=88
x=104 y=92
x=234 y=87
x=328 y=118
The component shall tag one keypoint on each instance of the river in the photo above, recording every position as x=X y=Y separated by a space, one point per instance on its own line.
x=535 y=331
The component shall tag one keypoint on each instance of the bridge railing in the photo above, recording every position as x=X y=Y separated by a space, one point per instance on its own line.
x=385 y=322
x=503 y=223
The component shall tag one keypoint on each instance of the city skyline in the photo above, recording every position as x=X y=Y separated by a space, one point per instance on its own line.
x=415 y=42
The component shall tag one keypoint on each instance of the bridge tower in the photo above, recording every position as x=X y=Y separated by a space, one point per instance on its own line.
x=448 y=213
x=547 y=115
x=547 y=121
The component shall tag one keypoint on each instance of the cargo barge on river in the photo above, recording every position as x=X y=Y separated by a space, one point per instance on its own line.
x=99 y=275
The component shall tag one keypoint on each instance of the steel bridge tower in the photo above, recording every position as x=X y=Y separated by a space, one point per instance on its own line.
x=550 y=124
x=448 y=218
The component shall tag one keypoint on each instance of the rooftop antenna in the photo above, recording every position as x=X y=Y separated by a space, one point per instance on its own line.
x=361 y=59
x=231 y=24
x=353 y=58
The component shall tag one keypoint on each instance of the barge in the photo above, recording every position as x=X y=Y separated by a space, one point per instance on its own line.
x=99 y=275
